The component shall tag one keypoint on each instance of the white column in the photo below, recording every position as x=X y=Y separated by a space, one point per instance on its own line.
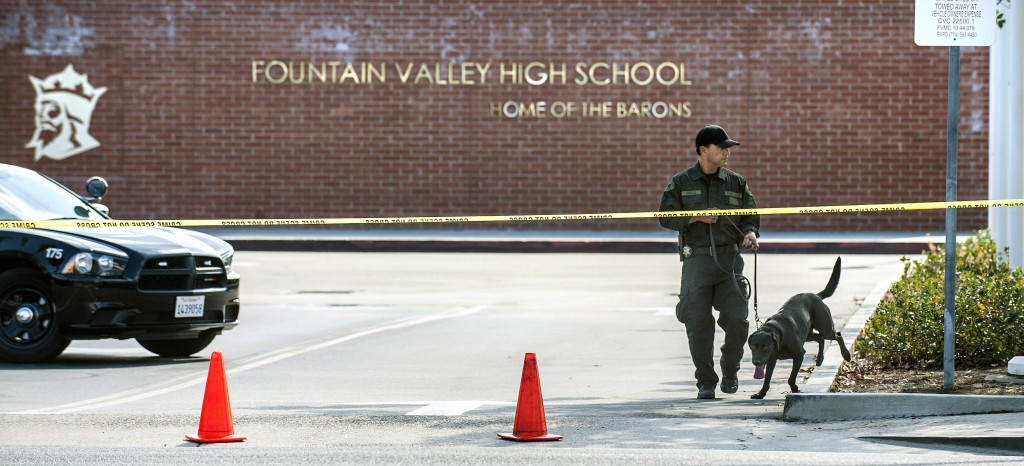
x=1006 y=132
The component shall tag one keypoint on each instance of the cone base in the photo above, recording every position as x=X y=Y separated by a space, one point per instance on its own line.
x=542 y=438
x=226 y=439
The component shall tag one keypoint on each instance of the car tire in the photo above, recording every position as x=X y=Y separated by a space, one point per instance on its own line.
x=29 y=328
x=180 y=348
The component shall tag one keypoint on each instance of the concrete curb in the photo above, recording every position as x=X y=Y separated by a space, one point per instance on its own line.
x=1001 y=444
x=816 y=403
x=541 y=241
x=547 y=245
x=855 y=406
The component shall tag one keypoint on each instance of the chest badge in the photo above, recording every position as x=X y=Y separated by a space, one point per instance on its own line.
x=687 y=251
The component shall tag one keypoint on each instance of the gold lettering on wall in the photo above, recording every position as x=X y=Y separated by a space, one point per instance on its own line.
x=334 y=72
x=534 y=73
x=598 y=74
x=558 y=109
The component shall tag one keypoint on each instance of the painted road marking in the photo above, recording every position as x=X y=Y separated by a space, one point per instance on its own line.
x=446 y=408
x=260 y=360
x=80 y=351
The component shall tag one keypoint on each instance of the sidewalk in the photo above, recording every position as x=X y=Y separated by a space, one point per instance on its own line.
x=656 y=241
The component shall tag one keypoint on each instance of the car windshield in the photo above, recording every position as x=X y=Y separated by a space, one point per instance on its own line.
x=27 y=195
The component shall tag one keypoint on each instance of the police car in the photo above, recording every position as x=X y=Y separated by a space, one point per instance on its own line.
x=173 y=290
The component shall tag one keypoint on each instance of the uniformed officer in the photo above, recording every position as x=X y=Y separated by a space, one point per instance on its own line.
x=709 y=248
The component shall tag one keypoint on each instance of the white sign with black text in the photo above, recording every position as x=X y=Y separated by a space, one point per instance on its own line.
x=955 y=22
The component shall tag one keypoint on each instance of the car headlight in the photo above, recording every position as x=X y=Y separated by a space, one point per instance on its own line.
x=88 y=263
x=228 y=258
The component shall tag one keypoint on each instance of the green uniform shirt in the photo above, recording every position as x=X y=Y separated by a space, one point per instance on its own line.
x=691 y=190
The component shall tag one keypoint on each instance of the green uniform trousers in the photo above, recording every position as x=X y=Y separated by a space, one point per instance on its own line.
x=705 y=284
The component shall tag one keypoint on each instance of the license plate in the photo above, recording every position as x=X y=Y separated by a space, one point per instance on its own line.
x=189 y=306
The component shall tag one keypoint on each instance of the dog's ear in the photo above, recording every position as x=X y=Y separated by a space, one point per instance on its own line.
x=775 y=339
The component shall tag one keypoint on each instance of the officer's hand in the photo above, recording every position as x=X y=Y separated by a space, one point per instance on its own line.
x=705 y=218
x=750 y=241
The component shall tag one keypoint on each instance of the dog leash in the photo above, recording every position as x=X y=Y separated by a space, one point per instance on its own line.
x=759 y=372
x=757 y=318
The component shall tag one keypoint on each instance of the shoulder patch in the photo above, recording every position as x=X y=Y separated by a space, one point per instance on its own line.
x=746 y=188
x=671 y=185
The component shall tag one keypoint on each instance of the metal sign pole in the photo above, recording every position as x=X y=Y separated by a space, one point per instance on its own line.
x=953 y=23
x=952 y=138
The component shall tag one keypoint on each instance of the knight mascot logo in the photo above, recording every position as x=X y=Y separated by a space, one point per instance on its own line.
x=64 y=105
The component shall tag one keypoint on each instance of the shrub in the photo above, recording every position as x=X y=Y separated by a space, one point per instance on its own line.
x=907 y=329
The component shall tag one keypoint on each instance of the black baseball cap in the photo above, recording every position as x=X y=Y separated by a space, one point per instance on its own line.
x=714 y=134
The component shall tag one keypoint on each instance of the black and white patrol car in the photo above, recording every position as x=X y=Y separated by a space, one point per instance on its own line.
x=171 y=289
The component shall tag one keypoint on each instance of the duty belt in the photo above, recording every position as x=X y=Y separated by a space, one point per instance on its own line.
x=706 y=250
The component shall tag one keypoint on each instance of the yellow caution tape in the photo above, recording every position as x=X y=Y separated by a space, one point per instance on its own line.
x=513 y=218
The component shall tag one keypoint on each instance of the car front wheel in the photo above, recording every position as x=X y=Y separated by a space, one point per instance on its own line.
x=29 y=331
x=181 y=348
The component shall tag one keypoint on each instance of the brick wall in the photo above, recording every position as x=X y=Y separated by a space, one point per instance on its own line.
x=832 y=101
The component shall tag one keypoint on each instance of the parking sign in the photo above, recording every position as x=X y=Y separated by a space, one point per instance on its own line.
x=955 y=22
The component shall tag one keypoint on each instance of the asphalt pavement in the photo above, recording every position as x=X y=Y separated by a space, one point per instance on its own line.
x=990 y=424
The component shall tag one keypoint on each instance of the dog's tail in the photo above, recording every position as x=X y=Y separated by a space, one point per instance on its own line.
x=833 y=281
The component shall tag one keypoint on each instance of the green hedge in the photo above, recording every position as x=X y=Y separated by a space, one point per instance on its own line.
x=907 y=329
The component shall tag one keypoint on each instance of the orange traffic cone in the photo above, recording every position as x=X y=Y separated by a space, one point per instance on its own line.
x=530 y=423
x=215 y=425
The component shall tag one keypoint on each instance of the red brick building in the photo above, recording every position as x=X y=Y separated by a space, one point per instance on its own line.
x=299 y=109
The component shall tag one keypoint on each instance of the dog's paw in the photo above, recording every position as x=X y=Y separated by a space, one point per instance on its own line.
x=757 y=396
x=819 y=360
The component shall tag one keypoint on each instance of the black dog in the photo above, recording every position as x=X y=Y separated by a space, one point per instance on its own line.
x=783 y=335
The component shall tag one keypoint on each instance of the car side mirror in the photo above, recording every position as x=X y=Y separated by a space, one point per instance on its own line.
x=102 y=208
x=97 y=188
